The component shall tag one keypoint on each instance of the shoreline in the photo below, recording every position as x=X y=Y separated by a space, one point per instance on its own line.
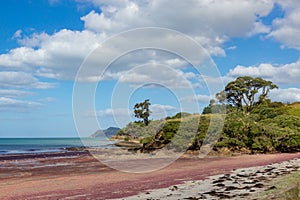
x=250 y=183
x=80 y=176
x=20 y=156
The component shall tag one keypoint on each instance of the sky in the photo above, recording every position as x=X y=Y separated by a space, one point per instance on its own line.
x=68 y=68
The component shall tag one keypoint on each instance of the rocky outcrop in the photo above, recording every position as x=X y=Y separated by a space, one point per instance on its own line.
x=129 y=145
x=158 y=142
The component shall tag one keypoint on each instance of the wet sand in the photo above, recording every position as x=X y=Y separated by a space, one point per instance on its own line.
x=78 y=175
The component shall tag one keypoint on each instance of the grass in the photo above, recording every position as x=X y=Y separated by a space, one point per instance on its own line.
x=294 y=109
x=184 y=119
x=286 y=188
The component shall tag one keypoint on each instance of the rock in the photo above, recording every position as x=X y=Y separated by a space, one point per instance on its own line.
x=82 y=148
x=152 y=146
x=128 y=144
x=174 y=188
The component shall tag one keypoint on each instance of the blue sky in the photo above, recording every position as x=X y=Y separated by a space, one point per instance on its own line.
x=45 y=42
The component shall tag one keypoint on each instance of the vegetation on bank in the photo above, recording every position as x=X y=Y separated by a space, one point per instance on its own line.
x=243 y=119
x=285 y=187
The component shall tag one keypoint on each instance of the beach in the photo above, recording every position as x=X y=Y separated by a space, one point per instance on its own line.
x=78 y=175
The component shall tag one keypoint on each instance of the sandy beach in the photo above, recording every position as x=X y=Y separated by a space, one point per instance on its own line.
x=78 y=175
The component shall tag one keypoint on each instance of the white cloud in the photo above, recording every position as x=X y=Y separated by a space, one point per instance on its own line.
x=23 y=58
x=200 y=98
x=198 y=19
x=286 y=95
x=232 y=47
x=157 y=74
x=14 y=93
x=9 y=104
x=158 y=108
x=48 y=99
x=17 y=34
x=191 y=17
x=160 y=111
x=281 y=74
x=117 y=116
x=265 y=70
x=126 y=115
x=9 y=79
x=116 y=112
x=58 y=56
x=287 y=29
x=258 y=28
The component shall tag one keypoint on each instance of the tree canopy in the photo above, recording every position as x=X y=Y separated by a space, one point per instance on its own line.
x=245 y=92
x=142 y=111
x=253 y=123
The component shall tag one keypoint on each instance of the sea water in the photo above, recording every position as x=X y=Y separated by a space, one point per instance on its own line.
x=40 y=145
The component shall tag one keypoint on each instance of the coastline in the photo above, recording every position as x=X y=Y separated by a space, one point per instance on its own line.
x=19 y=156
x=80 y=176
x=251 y=183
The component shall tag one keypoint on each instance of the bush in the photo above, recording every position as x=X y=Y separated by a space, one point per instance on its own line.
x=270 y=127
x=179 y=115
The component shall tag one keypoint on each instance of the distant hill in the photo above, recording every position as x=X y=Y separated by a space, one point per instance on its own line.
x=111 y=131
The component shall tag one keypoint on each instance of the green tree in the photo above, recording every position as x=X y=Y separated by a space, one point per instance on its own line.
x=142 y=111
x=221 y=97
x=242 y=92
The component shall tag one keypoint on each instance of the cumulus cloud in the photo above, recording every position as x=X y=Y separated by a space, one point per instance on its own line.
x=286 y=95
x=280 y=74
x=284 y=75
x=11 y=79
x=259 y=28
x=158 y=74
x=198 y=19
x=23 y=58
x=58 y=56
x=192 y=17
x=287 y=29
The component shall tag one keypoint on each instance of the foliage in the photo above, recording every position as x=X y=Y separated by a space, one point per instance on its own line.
x=215 y=108
x=265 y=126
x=179 y=115
x=140 y=130
x=142 y=111
x=269 y=128
x=294 y=109
x=242 y=92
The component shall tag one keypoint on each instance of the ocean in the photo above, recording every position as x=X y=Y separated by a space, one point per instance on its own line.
x=43 y=145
